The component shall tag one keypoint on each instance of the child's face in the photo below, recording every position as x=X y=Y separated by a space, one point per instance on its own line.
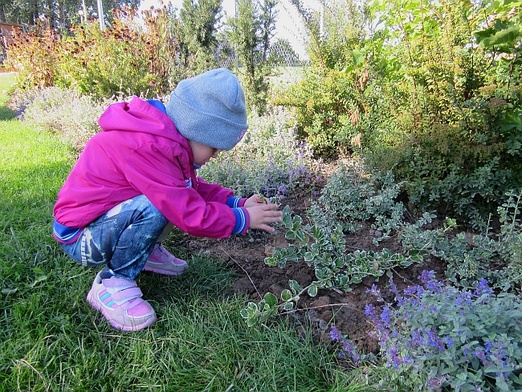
x=202 y=153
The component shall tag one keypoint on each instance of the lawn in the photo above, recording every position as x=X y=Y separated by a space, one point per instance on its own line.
x=51 y=340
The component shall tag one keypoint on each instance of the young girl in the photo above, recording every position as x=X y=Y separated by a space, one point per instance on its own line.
x=137 y=178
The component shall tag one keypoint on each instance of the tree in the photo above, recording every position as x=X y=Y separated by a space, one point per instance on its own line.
x=251 y=31
x=199 y=21
x=56 y=14
x=283 y=54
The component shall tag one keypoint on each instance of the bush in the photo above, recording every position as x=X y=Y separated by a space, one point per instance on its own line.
x=73 y=117
x=438 y=110
x=124 y=59
x=441 y=338
x=328 y=110
x=269 y=160
x=352 y=196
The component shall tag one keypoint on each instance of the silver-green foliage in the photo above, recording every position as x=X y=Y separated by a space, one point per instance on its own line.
x=471 y=257
x=269 y=160
x=64 y=112
x=345 y=202
x=352 y=196
x=436 y=337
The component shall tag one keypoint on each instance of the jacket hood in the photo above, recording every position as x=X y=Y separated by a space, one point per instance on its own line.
x=139 y=116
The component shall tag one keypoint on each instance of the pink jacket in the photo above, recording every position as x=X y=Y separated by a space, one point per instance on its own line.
x=139 y=151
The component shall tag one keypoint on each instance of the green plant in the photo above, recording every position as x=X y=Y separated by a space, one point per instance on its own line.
x=34 y=57
x=56 y=110
x=269 y=160
x=250 y=32
x=198 y=27
x=352 y=196
x=441 y=338
x=322 y=246
x=121 y=60
x=471 y=257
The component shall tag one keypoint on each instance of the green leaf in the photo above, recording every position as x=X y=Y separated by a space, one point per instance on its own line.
x=290 y=235
x=309 y=256
x=250 y=311
x=294 y=286
x=270 y=299
x=312 y=290
x=286 y=295
x=506 y=36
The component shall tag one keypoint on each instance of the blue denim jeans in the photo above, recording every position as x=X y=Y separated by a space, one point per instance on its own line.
x=121 y=239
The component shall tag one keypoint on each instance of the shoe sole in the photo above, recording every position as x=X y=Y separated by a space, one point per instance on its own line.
x=97 y=306
x=161 y=271
x=149 y=267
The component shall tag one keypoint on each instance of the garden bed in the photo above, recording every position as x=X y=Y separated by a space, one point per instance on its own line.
x=345 y=310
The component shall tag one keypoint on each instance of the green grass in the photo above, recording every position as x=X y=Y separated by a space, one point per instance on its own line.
x=51 y=340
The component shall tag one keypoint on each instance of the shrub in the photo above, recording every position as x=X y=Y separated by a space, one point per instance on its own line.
x=352 y=196
x=440 y=338
x=495 y=256
x=34 y=57
x=328 y=110
x=269 y=160
x=73 y=117
x=123 y=59
x=435 y=108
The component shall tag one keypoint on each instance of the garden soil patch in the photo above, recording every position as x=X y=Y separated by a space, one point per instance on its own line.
x=246 y=254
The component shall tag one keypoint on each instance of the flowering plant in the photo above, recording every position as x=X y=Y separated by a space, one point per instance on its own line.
x=438 y=337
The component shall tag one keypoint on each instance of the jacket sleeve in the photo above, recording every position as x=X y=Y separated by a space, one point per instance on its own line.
x=213 y=192
x=159 y=175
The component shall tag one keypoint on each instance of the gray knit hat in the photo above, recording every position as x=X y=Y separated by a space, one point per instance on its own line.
x=210 y=109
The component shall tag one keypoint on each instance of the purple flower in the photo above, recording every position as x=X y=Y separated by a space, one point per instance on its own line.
x=374 y=290
x=483 y=288
x=429 y=281
x=369 y=310
x=349 y=350
x=436 y=382
x=334 y=333
x=385 y=316
x=480 y=354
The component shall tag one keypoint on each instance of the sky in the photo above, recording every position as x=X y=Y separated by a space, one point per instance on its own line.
x=289 y=25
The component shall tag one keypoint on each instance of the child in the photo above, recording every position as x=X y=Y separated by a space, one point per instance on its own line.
x=136 y=179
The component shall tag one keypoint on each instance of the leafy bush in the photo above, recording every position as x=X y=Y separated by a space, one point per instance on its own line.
x=34 y=57
x=438 y=337
x=269 y=160
x=72 y=116
x=352 y=196
x=123 y=59
x=435 y=108
x=328 y=110
x=472 y=257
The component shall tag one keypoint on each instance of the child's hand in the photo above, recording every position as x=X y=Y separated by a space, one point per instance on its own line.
x=255 y=200
x=262 y=214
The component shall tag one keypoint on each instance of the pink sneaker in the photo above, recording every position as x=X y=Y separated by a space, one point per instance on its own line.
x=162 y=262
x=120 y=302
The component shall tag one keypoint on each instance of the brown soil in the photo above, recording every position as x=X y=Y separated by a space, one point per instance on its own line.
x=345 y=310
